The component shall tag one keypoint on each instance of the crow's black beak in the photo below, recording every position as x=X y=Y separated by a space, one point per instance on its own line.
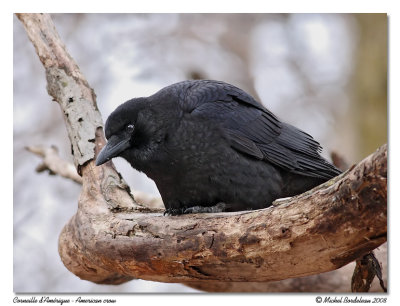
x=115 y=145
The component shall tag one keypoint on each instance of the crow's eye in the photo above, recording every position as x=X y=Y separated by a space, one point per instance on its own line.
x=130 y=128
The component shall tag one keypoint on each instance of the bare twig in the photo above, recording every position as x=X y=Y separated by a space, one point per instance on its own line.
x=54 y=163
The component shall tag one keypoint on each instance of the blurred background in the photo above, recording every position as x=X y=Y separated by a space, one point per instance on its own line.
x=324 y=73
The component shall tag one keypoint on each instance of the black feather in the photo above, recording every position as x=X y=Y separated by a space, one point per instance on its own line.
x=205 y=142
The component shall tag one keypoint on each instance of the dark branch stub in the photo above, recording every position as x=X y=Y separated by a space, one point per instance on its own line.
x=364 y=273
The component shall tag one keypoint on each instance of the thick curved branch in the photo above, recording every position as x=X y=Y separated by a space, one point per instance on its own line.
x=77 y=100
x=334 y=281
x=315 y=232
x=67 y=86
x=112 y=239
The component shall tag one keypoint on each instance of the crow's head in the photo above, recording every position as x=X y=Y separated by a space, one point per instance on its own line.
x=134 y=130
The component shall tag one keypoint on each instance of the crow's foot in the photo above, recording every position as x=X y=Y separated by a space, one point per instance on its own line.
x=174 y=211
x=220 y=207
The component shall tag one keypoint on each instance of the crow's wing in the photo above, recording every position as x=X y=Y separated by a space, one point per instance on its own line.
x=254 y=130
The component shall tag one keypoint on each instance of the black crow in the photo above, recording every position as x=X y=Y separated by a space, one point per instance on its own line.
x=210 y=147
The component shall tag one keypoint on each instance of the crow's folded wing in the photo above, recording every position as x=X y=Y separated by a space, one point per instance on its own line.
x=255 y=131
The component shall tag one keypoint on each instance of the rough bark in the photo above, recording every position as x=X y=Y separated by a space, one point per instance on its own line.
x=334 y=281
x=112 y=239
x=315 y=232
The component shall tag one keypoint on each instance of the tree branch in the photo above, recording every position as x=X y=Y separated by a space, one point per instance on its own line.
x=315 y=232
x=52 y=162
x=334 y=281
x=365 y=271
x=112 y=239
